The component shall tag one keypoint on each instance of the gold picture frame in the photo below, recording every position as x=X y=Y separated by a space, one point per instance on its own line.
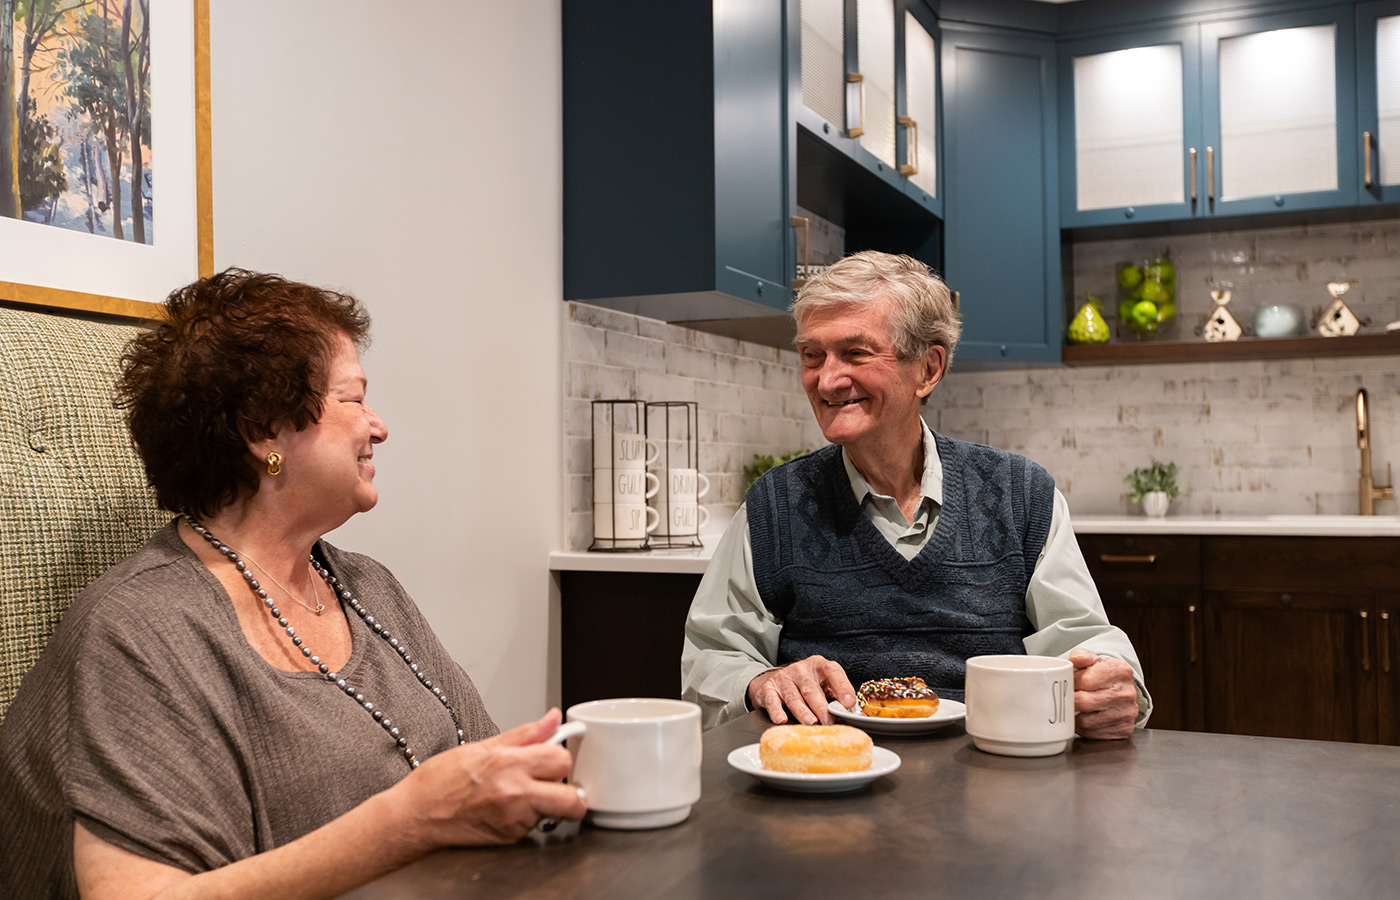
x=99 y=302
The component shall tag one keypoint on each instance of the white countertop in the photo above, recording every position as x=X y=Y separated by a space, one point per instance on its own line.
x=1287 y=525
x=692 y=561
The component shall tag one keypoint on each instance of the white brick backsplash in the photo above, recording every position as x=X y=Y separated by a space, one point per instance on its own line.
x=1252 y=437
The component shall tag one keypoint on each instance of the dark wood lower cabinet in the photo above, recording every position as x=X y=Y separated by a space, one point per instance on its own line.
x=621 y=634
x=1291 y=664
x=1151 y=588
x=1270 y=636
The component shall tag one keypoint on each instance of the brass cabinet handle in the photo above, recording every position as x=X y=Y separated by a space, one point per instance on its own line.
x=1385 y=641
x=1145 y=559
x=1366 y=143
x=858 y=79
x=1193 y=174
x=806 y=225
x=957 y=301
x=911 y=167
x=1210 y=174
x=1191 y=630
x=1365 y=641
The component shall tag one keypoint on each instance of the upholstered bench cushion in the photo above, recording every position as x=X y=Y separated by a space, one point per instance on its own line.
x=73 y=495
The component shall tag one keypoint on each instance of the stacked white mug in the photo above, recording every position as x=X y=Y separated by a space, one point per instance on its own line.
x=678 y=504
x=621 y=487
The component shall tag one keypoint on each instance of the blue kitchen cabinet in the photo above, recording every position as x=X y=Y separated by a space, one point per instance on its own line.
x=676 y=201
x=848 y=63
x=1378 y=100
x=1002 y=240
x=1265 y=111
x=1130 y=128
x=1244 y=147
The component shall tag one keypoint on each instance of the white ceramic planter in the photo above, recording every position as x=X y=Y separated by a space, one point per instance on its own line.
x=1155 y=503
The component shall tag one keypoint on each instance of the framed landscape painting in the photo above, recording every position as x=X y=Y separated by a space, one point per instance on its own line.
x=105 y=180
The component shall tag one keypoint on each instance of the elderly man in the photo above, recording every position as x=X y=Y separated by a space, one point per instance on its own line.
x=894 y=551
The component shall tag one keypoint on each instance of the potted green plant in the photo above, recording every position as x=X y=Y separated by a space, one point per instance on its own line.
x=1155 y=486
x=762 y=463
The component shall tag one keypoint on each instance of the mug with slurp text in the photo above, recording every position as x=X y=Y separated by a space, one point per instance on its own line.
x=636 y=758
x=1020 y=705
x=627 y=450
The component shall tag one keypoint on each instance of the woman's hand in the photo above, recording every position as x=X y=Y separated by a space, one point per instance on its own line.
x=493 y=791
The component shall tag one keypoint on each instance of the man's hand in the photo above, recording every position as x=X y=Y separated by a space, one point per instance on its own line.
x=803 y=687
x=1105 y=698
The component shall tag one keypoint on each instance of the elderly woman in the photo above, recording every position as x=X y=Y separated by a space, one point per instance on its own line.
x=241 y=709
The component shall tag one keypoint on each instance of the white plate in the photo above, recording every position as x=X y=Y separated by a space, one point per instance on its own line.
x=949 y=711
x=882 y=762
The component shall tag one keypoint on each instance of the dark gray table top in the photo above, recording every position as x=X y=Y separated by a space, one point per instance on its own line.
x=1164 y=814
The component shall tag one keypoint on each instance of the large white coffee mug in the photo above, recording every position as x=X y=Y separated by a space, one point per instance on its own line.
x=629 y=450
x=624 y=486
x=637 y=759
x=624 y=521
x=682 y=484
x=1020 y=705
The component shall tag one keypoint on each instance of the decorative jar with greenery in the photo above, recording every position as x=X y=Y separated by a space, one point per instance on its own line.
x=1155 y=486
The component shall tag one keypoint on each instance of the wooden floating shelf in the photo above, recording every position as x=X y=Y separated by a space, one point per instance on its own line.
x=1144 y=352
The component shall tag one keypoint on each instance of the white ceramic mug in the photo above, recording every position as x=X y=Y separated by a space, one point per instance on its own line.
x=637 y=759
x=628 y=487
x=624 y=521
x=1020 y=705
x=686 y=483
x=629 y=450
x=682 y=518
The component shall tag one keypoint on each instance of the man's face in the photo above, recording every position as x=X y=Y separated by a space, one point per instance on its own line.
x=863 y=396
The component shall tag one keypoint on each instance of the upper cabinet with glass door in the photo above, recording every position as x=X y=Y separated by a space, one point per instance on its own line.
x=1378 y=100
x=1279 y=114
x=1130 y=128
x=857 y=89
x=1230 y=117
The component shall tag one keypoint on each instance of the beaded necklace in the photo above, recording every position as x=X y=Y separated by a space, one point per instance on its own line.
x=334 y=677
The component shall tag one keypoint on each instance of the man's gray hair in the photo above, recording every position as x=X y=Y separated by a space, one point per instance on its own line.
x=921 y=307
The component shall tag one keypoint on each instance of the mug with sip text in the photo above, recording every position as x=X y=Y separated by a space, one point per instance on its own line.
x=636 y=758
x=1020 y=705
x=624 y=521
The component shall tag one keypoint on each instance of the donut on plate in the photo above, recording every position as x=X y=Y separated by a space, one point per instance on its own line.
x=815 y=748
x=897 y=698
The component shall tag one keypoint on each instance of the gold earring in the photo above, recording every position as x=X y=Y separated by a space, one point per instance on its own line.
x=274 y=464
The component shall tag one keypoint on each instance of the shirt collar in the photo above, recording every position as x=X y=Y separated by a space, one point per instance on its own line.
x=931 y=486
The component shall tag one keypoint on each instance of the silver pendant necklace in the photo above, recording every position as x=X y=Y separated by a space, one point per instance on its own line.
x=334 y=677
x=317 y=609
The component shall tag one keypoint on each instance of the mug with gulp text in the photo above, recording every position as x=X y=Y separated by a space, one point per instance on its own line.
x=629 y=450
x=1020 y=705
x=682 y=517
x=637 y=759
x=624 y=486
x=624 y=521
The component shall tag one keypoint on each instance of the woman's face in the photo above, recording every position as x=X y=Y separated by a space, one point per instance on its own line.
x=326 y=468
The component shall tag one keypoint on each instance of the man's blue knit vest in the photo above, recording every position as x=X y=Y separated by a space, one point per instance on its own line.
x=840 y=589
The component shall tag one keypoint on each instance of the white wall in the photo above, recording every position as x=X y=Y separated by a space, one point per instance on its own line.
x=409 y=153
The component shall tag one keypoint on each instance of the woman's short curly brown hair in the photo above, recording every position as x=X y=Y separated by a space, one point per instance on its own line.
x=239 y=354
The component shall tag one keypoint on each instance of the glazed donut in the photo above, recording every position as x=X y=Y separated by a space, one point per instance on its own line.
x=814 y=748
x=897 y=698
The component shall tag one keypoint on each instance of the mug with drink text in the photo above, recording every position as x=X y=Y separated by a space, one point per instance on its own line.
x=624 y=521
x=629 y=487
x=637 y=760
x=1020 y=705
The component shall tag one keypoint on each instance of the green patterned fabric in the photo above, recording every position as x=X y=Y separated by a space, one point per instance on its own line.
x=73 y=495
